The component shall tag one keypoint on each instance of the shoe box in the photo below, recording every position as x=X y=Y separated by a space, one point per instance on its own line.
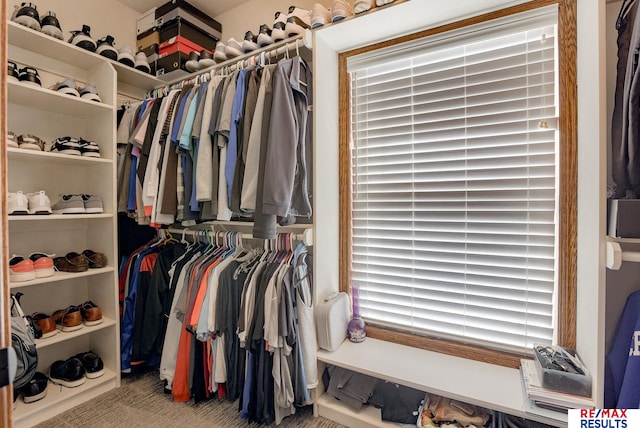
x=178 y=43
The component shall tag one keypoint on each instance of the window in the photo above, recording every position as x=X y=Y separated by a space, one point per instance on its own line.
x=454 y=156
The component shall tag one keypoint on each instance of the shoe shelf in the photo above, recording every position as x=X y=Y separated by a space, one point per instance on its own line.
x=60 y=398
x=63 y=336
x=45 y=217
x=37 y=42
x=60 y=276
x=54 y=102
x=34 y=156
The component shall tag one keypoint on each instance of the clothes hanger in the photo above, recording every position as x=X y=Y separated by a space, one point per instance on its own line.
x=624 y=9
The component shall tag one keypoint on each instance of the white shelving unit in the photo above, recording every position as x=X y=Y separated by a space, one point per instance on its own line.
x=48 y=114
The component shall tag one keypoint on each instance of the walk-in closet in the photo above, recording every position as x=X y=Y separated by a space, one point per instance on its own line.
x=191 y=190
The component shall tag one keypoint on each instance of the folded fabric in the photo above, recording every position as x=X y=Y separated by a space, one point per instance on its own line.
x=398 y=403
x=354 y=389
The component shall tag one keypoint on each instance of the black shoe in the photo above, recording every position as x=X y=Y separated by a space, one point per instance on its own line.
x=12 y=71
x=29 y=75
x=51 y=25
x=264 y=36
x=82 y=38
x=206 y=59
x=92 y=363
x=250 y=42
x=69 y=373
x=106 y=48
x=35 y=389
x=66 y=145
x=27 y=15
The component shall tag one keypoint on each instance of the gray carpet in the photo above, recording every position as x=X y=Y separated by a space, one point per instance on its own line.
x=140 y=402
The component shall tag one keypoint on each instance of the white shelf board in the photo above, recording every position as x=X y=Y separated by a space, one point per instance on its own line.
x=40 y=43
x=60 y=276
x=46 y=157
x=137 y=78
x=63 y=336
x=55 y=102
x=60 y=398
x=462 y=379
x=368 y=416
x=49 y=217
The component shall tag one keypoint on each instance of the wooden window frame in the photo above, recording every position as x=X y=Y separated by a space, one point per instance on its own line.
x=568 y=175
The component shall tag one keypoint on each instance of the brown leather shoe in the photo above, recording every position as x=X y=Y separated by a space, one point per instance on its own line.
x=46 y=323
x=91 y=313
x=72 y=262
x=96 y=260
x=69 y=319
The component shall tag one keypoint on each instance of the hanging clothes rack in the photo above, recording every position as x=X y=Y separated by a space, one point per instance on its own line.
x=305 y=236
x=259 y=56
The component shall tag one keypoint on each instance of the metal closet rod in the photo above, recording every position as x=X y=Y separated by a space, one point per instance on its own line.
x=306 y=236
x=262 y=56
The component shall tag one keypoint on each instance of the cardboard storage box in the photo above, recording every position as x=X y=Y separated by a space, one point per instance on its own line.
x=176 y=44
x=170 y=67
x=149 y=39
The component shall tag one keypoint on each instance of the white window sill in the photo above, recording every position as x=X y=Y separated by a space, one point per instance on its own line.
x=482 y=384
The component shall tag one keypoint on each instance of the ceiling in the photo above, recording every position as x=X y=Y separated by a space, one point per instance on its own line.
x=211 y=8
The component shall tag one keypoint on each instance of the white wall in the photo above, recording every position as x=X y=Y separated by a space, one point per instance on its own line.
x=249 y=16
x=420 y=14
x=104 y=17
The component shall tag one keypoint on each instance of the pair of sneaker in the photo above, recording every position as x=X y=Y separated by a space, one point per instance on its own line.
x=25 y=142
x=198 y=61
x=292 y=24
x=69 y=86
x=37 y=265
x=75 y=146
x=27 y=14
x=26 y=74
x=78 y=204
x=139 y=61
x=32 y=203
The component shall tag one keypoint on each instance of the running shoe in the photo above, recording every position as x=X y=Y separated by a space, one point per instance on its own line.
x=106 y=48
x=320 y=16
x=264 y=36
x=51 y=26
x=278 y=33
x=250 y=42
x=27 y=15
x=90 y=92
x=68 y=86
x=39 y=203
x=29 y=75
x=82 y=38
x=66 y=145
x=298 y=20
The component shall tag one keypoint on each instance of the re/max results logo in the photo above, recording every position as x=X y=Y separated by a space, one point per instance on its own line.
x=604 y=418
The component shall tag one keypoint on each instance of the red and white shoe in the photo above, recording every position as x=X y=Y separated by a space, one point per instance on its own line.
x=42 y=264
x=21 y=269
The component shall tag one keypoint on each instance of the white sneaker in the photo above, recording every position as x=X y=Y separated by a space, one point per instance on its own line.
x=340 y=9
x=39 y=203
x=264 y=36
x=363 y=5
x=125 y=56
x=297 y=21
x=142 y=63
x=279 y=25
x=320 y=16
x=383 y=2
x=250 y=42
x=17 y=203
x=12 y=140
x=219 y=55
x=233 y=48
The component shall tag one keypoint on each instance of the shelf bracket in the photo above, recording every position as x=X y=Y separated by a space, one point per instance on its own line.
x=615 y=255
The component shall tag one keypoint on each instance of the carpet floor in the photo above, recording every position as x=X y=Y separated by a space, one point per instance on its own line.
x=140 y=403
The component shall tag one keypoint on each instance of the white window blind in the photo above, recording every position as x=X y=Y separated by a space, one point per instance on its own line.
x=455 y=183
